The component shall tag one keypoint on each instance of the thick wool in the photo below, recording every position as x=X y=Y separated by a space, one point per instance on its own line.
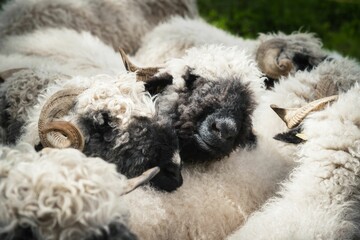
x=61 y=50
x=320 y=200
x=173 y=37
x=324 y=185
x=297 y=90
x=117 y=23
x=60 y=194
x=214 y=199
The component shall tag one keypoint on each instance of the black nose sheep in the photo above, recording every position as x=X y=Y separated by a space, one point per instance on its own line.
x=212 y=118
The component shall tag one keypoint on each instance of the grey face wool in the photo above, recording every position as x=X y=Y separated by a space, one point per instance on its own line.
x=211 y=118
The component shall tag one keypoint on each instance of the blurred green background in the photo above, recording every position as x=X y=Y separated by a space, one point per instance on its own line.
x=336 y=22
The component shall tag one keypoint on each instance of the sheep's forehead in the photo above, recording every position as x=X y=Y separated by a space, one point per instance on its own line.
x=213 y=62
x=122 y=97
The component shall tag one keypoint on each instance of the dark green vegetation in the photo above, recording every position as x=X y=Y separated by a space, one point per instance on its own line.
x=335 y=22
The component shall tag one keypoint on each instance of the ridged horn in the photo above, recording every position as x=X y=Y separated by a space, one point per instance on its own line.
x=142 y=74
x=269 y=60
x=133 y=183
x=324 y=88
x=294 y=116
x=55 y=133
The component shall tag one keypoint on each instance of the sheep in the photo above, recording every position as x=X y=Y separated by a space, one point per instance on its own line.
x=62 y=194
x=104 y=116
x=320 y=199
x=210 y=111
x=117 y=23
x=276 y=54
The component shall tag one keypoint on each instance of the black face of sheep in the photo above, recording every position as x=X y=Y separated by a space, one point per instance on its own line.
x=142 y=145
x=212 y=118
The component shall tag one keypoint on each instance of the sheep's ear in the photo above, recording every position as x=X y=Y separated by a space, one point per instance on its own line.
x=8 y=73
x=294 y=136
x=189 y=77
x=133 y=183
x=154 y=81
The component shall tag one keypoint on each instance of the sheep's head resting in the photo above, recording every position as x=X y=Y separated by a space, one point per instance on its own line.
x=211 y=116
x=140 y=144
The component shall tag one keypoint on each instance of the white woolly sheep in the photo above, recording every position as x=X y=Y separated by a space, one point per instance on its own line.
x=117 y=23
x=276 y=54
x=62 y=194
x=109 y=117
x=320 y=200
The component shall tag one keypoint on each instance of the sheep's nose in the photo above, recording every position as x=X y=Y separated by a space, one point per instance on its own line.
x=224 y=128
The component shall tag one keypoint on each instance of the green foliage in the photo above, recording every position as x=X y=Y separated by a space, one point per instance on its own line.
x=336 y=22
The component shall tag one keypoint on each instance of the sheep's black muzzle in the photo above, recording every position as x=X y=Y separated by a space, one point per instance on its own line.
x=217 y=133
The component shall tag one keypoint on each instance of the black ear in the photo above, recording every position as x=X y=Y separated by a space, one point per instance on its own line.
x=157 y=83
x=189 y=77
x=290 y=136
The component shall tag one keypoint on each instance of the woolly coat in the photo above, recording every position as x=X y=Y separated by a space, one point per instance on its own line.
x=117 y=23
x=320 y=199
x=60 y=194
x=175 y=36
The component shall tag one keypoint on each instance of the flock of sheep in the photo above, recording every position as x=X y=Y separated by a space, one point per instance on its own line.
x=228 y=137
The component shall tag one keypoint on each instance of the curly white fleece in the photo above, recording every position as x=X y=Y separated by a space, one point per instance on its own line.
x=61 y=193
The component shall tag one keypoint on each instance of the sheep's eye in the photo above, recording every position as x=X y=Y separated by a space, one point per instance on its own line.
x=189 y=77
x=158 y=83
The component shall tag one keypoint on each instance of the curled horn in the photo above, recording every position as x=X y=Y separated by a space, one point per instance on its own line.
x=142 y=74
x=294 y=116
x=133 y=183
x=269 y=60
x=55 y=133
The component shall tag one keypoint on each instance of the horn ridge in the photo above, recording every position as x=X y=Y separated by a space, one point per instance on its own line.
x=293 y=117
x=62 y=134
x=50 y=131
